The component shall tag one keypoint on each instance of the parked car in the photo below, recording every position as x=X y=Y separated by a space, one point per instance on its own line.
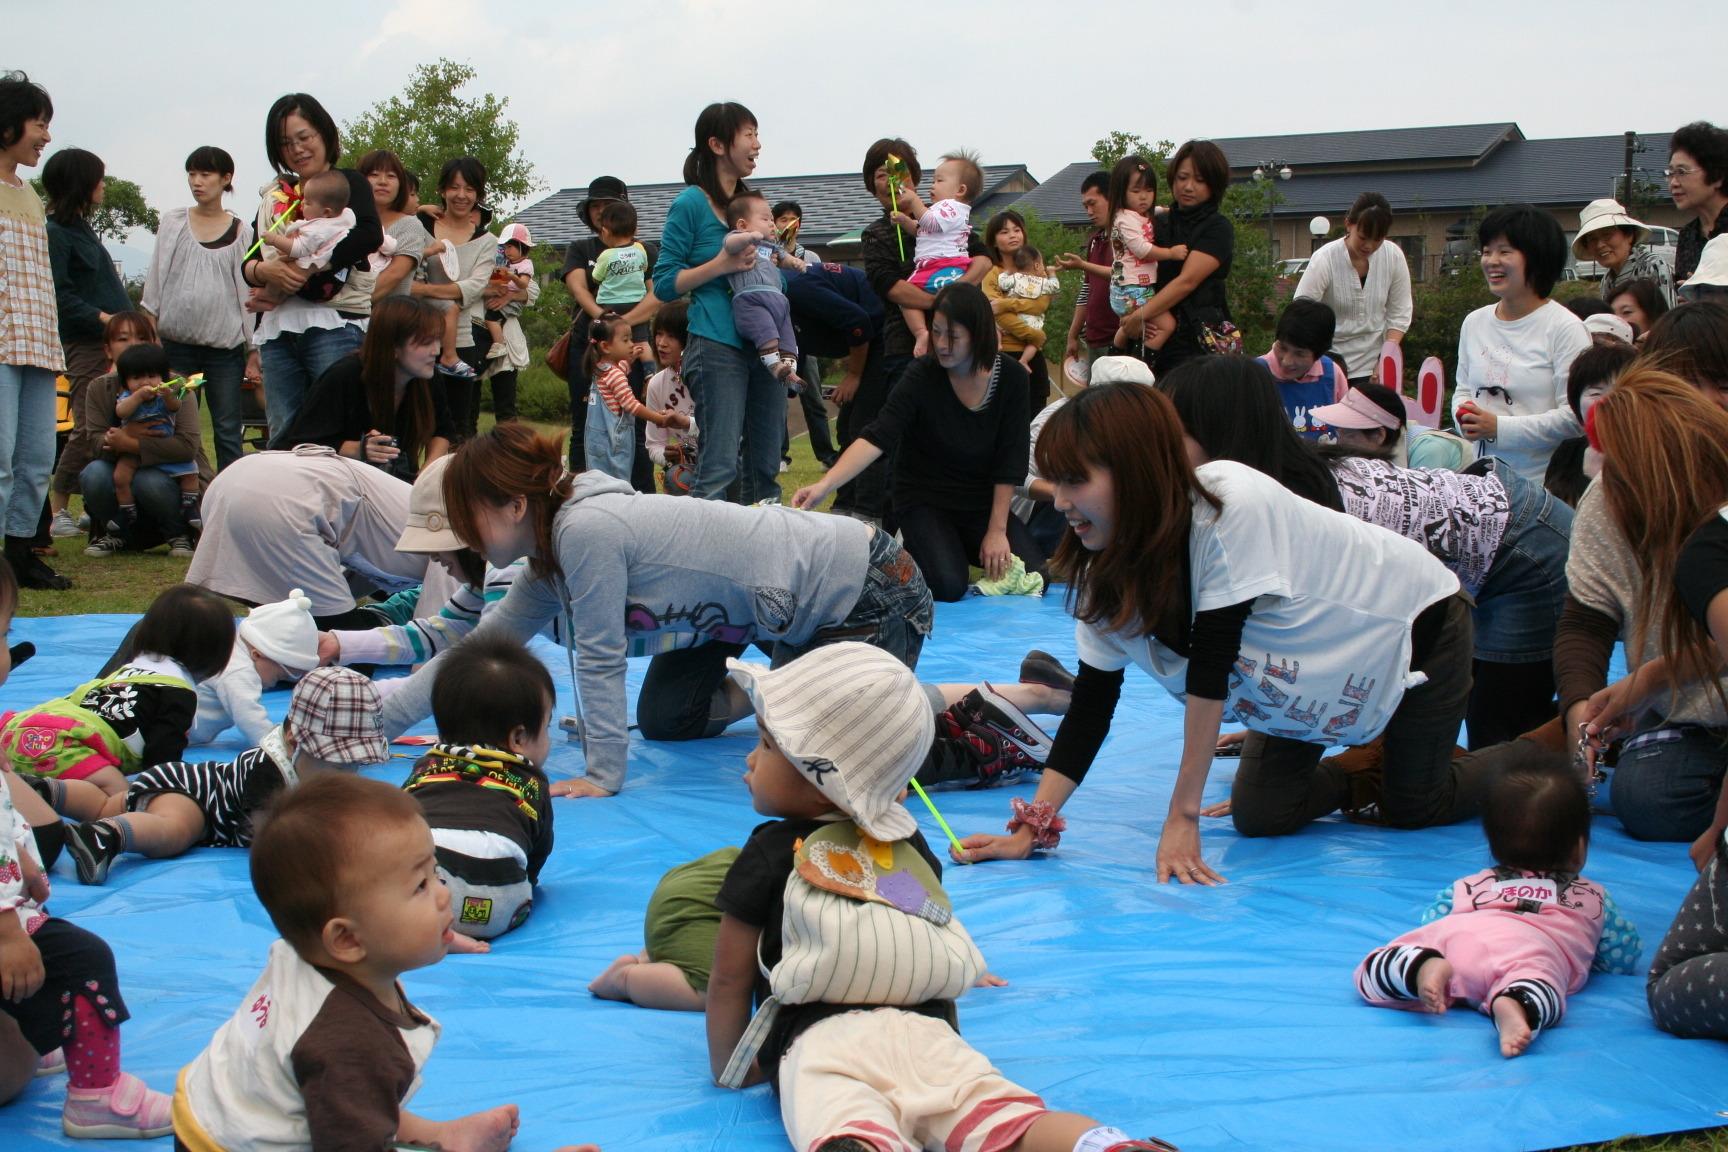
x=1293 y=268
x=1662 y=241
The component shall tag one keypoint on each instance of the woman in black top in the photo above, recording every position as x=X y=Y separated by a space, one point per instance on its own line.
x=382 y=404
x=1193 y=289
x=959 y=425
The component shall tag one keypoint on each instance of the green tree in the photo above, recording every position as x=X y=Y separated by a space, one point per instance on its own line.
x=430 y=122
x=123 y=208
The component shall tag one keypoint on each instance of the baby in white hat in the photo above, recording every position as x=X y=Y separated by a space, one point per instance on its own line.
x=274 y=643
x=841 y=731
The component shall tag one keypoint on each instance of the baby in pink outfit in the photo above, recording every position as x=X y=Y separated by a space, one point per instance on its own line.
x=1514 y=940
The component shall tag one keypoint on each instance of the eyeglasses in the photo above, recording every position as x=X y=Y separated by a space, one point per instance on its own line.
x=1681 y=171
x=302 y=139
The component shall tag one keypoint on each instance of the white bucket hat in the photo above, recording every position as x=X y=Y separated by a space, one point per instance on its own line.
x=855 y=721
x=1600 y=214
x=1121 y=370
x=428 y=529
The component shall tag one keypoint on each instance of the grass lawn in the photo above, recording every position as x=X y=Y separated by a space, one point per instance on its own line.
x=128 y=583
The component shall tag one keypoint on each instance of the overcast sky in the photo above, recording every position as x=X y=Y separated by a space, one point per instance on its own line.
x=615 y=88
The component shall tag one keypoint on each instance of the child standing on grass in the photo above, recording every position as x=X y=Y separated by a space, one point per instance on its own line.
x=57 y=981
x=116 y=725
x=147 y=405
x=1512 y=941
x=326 y=1049
x=842 y=729
x=610 y=436
x=483 y=789
x=1135 y=255
x=332 y=724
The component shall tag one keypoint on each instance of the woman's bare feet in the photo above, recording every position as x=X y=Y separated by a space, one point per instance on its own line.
x=609 y=985
x=1513 y=1026
x=1433 y=984
x=467 y=946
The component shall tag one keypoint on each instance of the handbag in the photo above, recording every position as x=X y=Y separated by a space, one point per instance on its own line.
x=866 y=923
x=558 y=356
x=1219 y=338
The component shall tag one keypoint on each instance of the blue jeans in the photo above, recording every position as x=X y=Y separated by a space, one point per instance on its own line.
x=740 y=408
x=224 y=369
x=155 y=494
x=1521 y=598
x=26 y=444
x=291 y=362
x=1666 y=779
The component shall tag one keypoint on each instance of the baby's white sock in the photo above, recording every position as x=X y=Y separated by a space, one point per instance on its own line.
x=1101 y=1138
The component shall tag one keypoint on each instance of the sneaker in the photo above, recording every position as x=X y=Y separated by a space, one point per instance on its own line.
x=63 y=527
x=94 y=847
x=997 y=713
x=459 y=370
x=1003 y=743
x=52 y=1064
x=104 y=546
x=125 y=1110
x=180 y=547
x=498 y=351
x=192 y=512
x=1043 y=668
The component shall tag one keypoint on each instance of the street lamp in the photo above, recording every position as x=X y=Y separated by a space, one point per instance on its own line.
x=1261 y=172
x=1317 y=228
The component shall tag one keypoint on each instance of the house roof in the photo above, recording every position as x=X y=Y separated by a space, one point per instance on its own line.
x=1560 y=173
x=833 y=204
x=1446 y=143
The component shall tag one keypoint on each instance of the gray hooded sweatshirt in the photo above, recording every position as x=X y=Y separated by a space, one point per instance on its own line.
x=649 y=574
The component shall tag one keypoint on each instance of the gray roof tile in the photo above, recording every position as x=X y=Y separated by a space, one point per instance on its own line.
x=833 y=204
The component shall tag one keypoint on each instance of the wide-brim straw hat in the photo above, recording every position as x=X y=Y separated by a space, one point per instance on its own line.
x=1600 y=214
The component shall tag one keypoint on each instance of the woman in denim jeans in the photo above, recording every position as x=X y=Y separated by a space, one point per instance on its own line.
x=740 y=407
x=1665 y=474
x=308 y=320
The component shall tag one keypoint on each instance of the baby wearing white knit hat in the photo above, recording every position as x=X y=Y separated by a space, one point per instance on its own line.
x=275 y=642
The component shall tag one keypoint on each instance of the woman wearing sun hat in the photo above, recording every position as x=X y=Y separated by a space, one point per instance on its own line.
x=1607 y=235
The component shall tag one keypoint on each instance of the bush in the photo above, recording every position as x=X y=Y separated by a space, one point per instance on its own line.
x=541 y=396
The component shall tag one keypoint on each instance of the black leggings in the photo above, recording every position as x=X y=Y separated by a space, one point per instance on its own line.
x=1508 y=700
x=947 y=543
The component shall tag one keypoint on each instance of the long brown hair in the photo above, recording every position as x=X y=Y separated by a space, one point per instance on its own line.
x=395 y=321
x=507 y=461
x=1666 y=474
x=1135 y=433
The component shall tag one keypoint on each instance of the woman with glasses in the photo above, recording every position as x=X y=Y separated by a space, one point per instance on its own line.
x=1698 y=181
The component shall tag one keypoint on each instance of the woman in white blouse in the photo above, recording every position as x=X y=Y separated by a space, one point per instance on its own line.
x=1366 y=283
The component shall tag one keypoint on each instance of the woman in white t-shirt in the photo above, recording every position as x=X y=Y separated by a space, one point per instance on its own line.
x=1227 y=589
x=1514 y=354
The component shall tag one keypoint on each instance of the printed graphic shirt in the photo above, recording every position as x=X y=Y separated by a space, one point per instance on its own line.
x=1460 y=519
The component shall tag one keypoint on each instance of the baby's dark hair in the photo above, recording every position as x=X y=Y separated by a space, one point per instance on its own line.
x=306 y=844
x=971 y=174
x=328 y=188
x=673 y=319
x=1535 y=815
x=604 y=328
x=1597 y=364
x=1027 y=258
x=488 y=687
x=739 y=205
x=618 y=217
x=189 y=625
x=142 y=360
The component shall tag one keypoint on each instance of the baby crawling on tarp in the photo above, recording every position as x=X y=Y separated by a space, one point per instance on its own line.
x=1514 y=940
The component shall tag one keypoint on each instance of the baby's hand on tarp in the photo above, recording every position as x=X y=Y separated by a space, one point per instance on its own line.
x=990 y=980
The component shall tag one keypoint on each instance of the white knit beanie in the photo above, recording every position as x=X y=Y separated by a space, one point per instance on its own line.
x=284 y=632
x=855 y=721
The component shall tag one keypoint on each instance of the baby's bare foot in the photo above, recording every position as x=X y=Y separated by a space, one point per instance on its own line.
x=1433 y=982
x=609 y=985
x=488 y=1131
x=1513 y=1026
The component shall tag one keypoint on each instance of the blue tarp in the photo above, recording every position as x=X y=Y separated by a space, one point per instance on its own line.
x=1218 y=1019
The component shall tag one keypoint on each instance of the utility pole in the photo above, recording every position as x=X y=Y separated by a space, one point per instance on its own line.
x=1626 y=194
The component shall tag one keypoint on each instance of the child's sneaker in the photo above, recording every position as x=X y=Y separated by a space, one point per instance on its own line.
x=460 y=370
x=125 y=1110
x=498 y=351
x=192 y=511
x=94 y=846
x=63 y=526
x=52 y=1064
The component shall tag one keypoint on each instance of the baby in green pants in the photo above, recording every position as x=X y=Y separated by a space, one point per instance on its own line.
x=678 y=931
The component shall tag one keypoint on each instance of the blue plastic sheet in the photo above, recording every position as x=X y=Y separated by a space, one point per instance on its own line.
x=1218 y=1019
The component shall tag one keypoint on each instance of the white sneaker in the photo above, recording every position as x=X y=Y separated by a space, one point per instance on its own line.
x=498 y=351
x=180 y=547
x=63 y=527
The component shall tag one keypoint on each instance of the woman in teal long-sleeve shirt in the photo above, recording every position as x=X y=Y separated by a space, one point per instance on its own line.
x=739 y=404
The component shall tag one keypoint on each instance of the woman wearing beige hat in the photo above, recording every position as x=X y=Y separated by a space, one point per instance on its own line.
x=1607 y=235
